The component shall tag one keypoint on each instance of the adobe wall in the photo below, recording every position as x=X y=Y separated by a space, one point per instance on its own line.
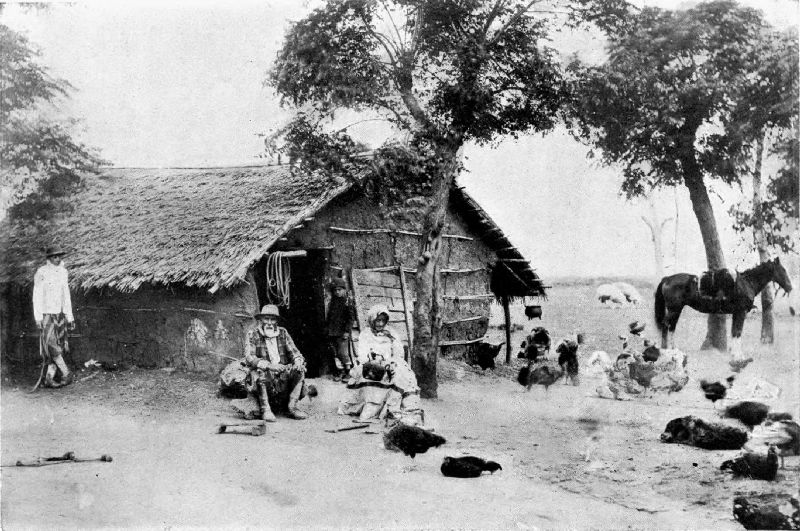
x=152 y=327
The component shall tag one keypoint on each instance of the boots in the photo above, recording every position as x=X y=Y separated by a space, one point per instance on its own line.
x=263 y=398
x=294 y=396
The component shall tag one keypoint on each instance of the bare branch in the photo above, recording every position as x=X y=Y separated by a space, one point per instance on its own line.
x=492 y=15
x=384 y=41
x=391 y=19
x=513 y=20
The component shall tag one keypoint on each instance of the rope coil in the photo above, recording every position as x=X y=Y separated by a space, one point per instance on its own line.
x=278 y=276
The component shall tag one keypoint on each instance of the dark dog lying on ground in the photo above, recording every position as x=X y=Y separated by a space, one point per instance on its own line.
x=694 y=431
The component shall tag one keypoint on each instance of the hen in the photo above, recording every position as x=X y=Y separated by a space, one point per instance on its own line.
x=544 y=374
x=411 y=440
x=716 y=390
x=754 y=466
x=567 y=351
x=748 y=413
x=468 y=467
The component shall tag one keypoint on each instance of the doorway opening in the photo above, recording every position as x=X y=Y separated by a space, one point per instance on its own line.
x=304 y=315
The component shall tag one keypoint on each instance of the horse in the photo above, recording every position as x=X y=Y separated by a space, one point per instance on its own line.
x=683 y=289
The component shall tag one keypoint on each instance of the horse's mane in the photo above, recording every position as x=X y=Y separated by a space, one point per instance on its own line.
x=758 y=269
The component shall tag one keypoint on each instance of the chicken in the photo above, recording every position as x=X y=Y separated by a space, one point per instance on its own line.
x=784 y=434
x=468 y=467
x=716 y=390
x=545 y=374
x=754 y=466
x=748 y=413
x=411 y=440
x=567 y=351
x=767 y=511
x=651 y=353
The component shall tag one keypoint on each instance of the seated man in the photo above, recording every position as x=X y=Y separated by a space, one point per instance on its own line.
x=277 y=369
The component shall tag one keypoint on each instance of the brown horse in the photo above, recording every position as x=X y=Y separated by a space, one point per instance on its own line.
x=682 y=289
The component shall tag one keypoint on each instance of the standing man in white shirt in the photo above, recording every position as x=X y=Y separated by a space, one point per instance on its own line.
x=52 y=309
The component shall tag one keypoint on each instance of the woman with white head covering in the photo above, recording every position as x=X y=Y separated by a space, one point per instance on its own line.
x=382 y=382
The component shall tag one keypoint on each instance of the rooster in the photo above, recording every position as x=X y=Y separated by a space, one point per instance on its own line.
x=411 y=440
x=468 y=467
x=754 y=466
x=545 y=374
x=715 y=390
x=748 y=413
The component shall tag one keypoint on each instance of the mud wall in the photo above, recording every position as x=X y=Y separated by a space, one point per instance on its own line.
x=466 y=262
x=152 y=327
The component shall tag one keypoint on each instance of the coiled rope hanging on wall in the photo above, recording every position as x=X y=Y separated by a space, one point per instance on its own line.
x=278 y=275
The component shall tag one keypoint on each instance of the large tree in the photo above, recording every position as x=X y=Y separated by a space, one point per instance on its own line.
x=442 y=72
x=41 y=163
x=766 y=122
x=661 y=106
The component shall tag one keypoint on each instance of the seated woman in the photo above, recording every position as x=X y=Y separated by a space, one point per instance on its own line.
x=381 y=383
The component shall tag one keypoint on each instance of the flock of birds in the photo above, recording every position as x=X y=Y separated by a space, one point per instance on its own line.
x=766 y=436
x=778 y=430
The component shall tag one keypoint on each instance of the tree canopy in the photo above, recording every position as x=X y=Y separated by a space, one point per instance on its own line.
x=41 y=161
x=443 y=72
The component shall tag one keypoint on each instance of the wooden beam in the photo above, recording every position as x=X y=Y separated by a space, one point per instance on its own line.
x=513 y=274
x=460 y=342
x=507 y=317
x=393 y=231
x=470 y=297
x=455 y=271
x=464 y=320
x=406 y=302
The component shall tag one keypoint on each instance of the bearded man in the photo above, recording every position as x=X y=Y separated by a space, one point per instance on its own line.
x=277 y=368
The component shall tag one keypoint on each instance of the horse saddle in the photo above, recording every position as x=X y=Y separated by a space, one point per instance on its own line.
x=717 y=283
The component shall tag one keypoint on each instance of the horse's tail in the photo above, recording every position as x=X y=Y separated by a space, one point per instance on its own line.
x=660 y=306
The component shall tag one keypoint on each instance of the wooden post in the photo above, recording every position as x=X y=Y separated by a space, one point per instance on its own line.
x=407 y=310
x=507 y=315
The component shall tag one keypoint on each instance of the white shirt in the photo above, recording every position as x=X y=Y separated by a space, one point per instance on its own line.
x=51 y=292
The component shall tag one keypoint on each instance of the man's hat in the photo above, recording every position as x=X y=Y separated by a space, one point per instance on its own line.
x=55 y=250
x=268 y=310
x=636 y=328
x=338 y=282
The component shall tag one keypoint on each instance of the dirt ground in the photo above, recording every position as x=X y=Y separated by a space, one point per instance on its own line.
x=570 y=459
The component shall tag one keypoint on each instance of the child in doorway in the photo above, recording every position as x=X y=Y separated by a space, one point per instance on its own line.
x=340 y=321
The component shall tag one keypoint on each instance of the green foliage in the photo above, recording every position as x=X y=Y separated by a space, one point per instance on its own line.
x=447 y=71
x=40 y=159
x=780 y=208
x=669 y=74
x=770 y=112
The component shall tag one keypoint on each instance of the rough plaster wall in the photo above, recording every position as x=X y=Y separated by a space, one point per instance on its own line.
x=153 y=327
x=359 y=250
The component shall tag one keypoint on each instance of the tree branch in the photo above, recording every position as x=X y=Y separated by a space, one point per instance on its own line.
x=513 y=20
x=391 y=19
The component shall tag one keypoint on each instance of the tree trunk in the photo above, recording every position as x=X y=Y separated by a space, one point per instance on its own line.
x=656 y=227
x=767 y=319
x=427 y=307
x=716 y=336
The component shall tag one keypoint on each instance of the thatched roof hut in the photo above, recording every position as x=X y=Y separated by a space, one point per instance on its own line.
x=144 y=236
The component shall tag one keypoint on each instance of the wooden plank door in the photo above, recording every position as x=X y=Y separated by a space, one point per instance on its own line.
x=384 y=286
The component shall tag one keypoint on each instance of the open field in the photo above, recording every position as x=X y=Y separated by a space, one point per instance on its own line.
x=570 y=460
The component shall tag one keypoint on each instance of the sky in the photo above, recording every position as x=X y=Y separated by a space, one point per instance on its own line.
x=181 y=84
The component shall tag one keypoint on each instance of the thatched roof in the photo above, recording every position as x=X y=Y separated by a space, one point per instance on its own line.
x=198 y=227
x=513 y=275
x=206 y=227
